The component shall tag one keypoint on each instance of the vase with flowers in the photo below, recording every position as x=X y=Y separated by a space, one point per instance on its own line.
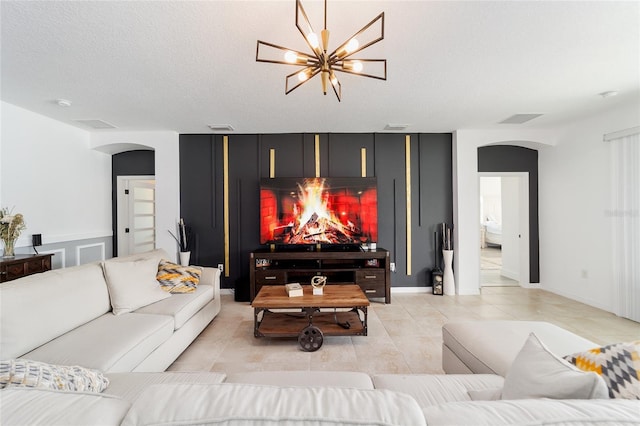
x=10 y=227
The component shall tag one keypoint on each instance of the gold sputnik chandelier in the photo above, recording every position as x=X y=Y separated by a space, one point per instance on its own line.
x=324 y=63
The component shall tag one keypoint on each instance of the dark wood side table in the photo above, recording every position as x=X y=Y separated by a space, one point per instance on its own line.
x=22 y=265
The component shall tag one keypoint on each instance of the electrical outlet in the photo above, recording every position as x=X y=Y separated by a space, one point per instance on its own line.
x=221 y=267
x=393 y=266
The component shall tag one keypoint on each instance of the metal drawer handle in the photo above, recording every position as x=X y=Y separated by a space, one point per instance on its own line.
x=370 y=277
x=270 y=278
x=370 y=291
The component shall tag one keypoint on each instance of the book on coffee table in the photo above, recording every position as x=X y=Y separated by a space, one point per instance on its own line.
x=293 y=289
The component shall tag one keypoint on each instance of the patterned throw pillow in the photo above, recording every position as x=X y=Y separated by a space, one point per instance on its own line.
x=618 y=364
x=176 y=278
x=35 y=374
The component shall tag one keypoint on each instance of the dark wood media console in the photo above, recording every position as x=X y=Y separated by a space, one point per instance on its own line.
x=370 y=269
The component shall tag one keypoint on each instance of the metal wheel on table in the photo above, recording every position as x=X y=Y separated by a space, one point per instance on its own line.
x=310 y=339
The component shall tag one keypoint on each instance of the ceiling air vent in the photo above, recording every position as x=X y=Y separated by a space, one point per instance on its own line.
x=519 y=118
x=221 y=127
x=394 y=126
x=96 y=124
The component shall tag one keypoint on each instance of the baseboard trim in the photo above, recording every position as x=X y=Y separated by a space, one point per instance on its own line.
x=394 y=290
x=407 y=290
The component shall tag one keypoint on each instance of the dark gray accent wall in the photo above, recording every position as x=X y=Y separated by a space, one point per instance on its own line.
x=201 y=196
x=201 y=186
x=129 y=163
x=507 y=158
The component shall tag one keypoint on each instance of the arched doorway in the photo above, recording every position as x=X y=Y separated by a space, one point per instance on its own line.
x=517 y=233
x=133 y=201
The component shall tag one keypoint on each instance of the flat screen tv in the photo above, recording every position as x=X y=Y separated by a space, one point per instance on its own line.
x=318 y=211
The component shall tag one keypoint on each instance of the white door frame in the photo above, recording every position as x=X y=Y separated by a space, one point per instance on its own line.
x=525 y=276
x=122 y=183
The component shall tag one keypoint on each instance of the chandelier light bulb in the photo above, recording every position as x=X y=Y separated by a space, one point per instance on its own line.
x=334 y=79
x=352 y=45
x=302 y=75
x=313 y=40
x=291 y=57
x=357 y=66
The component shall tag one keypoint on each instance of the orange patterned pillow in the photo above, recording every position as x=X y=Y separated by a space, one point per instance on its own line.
x=175 y=278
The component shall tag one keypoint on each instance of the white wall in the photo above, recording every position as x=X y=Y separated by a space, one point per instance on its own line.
x=50 y=174
x=167 y=158
x=575 y=228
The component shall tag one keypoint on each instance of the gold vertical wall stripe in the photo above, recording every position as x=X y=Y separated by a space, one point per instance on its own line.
x=363 y=162
x=408 y=183
x=317 y=155
x=225 y=171
x=272 y=163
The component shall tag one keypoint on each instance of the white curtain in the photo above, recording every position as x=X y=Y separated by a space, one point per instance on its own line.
x=626 y=224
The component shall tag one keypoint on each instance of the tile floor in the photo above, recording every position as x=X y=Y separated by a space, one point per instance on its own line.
x=490 y=266
x=404 y=336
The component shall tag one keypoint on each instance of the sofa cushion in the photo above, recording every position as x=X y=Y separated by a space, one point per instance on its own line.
x=33 y=406
x=434 y=389
x=491 y=346
x=538 y=373
x=618 y=364
x=35 y=374
x=40 y=307
x=132 y=284
x=176 y=278
x=342 y=379
x=130 y=385
x=534 y=412
x=108 y=343
x=269 y=405
x=181 y=306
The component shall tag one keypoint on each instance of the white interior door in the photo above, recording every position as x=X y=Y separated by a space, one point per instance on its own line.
x=511 y=233
x=512 y=214
x=136 y=214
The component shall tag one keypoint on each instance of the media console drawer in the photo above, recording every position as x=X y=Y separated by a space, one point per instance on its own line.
x=271 y=277
x=372 y=282
x=374 y=276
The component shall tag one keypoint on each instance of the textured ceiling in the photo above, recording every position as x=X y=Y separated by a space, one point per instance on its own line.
x=177 y=65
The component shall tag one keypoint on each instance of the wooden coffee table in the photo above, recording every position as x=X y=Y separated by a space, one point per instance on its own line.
x=310 y=317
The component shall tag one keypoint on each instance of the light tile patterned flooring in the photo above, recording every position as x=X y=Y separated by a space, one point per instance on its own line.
x=404 y=336
x=490 y=266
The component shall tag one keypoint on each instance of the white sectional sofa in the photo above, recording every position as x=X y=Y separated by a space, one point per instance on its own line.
x=301 y=398
x=65 y=317
x=489 y=347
